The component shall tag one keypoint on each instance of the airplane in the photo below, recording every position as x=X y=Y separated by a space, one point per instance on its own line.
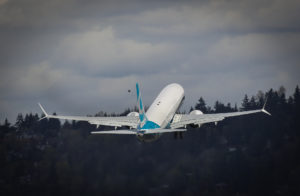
x=160 y=118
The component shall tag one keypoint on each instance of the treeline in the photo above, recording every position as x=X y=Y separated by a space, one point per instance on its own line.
x=249 y=155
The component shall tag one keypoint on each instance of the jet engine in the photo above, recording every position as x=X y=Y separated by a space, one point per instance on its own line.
x=195 y=112
x=133 y=114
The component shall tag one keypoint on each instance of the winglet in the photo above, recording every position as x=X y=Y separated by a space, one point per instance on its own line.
x=46 y=115
x=263 y=109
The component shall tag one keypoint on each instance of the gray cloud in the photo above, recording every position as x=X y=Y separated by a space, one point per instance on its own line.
x=99 y=52
x=79 y=57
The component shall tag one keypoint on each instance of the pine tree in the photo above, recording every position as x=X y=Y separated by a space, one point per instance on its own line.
x=191 y=109
x=235 y=109
x=67 y=125
x=282 y=100
x=54 y=123
x=252 y=103
x=229 y=108
x=290 y=101
x=19 y=122
x=219 y=107
x=6 y=123
x=260 y=97
x=297 y=102
x=297 y=97
x=245 y=104
x=201 y=105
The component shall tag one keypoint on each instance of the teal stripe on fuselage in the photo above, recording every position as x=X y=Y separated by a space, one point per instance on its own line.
x=144 y=123
x=150 y=125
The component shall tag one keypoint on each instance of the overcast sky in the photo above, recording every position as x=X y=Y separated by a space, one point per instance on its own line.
x=79 y=57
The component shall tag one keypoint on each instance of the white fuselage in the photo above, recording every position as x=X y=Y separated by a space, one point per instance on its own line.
x=163 y=109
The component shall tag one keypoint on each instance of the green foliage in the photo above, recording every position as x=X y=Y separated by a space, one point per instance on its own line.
x=248 y=155
x=201 y=105
x=245 y=103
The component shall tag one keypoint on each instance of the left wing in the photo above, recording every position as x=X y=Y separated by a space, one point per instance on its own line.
x=119 y=121
x=181 y=120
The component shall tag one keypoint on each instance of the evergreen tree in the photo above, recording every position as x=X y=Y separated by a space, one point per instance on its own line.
x=19 y=122
x=252 y=103
x=235 y=109
x=43 y=124
x=229 y=108
x=253 y=155
x=260 y=97
x=74 y=124
x=191 y=109
x=282 y=103
x=290 y=102
x=297 y=105
x=245 y=103
x=220 y=107
x=201 y=105
x=297 y=97
x=54 y=123
x=273 y=101
x=30 y=120
x=6 y=123
x=67 y=125
x=281 y=91
x=4 y=129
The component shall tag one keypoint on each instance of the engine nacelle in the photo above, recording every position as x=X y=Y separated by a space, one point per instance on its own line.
x=196 y=112
x=133 y=114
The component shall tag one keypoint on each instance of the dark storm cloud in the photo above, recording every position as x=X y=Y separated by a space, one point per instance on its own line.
x=64 y=52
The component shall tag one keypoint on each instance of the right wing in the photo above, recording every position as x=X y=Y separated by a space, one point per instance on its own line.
x=181 y=120
x=119 y=121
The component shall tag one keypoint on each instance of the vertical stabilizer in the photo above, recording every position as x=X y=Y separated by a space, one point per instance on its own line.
x=140 y=106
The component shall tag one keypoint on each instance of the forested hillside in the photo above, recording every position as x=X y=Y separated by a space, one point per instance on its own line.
x=249 y=155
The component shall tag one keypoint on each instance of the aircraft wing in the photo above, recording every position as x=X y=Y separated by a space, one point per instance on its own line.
x=181 y=120
x=119 y=121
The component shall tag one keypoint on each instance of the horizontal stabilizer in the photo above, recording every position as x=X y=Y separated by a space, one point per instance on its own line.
x=134 y=131
x=153 y=131
x=119 y=132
